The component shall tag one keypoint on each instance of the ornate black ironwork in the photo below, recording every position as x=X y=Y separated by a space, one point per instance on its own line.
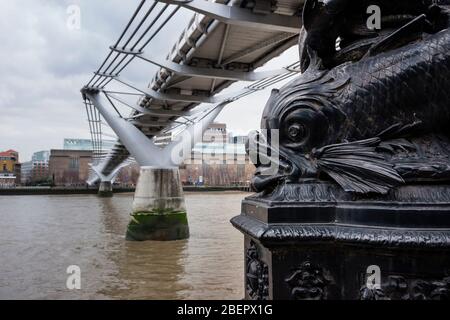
x=402 y=288
x=372 y=113
x=309 y=282
x=362 y=167
x=257 y=275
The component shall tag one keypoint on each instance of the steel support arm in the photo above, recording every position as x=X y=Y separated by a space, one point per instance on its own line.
x=145 y=111
x=107 y=178
x=209 y=73
x=176 y=97
x=241 y=16
x=169 y=96
x=142 y=148
x=137 y=143
x=181 y=147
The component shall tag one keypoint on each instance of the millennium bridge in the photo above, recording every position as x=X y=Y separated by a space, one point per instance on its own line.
x=222 y=43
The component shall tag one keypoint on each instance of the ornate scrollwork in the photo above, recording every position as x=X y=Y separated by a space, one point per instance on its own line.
x=257 y=275
x=309 y=282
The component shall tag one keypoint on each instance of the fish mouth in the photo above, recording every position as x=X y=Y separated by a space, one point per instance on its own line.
x=275 y=163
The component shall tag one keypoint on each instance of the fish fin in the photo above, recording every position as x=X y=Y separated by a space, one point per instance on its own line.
x=358 y=167
x=399 y=130
x=396 y=144
x=399 y=37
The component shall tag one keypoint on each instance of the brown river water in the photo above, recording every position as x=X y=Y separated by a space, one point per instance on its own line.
x=40 y=236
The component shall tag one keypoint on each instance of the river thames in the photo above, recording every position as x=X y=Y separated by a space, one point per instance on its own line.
x=42 y=235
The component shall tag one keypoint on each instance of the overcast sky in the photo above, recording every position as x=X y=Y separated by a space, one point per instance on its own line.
x=44 y=63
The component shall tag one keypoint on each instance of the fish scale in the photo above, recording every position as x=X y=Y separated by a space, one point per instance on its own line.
x=353 y=117
x=396 y=85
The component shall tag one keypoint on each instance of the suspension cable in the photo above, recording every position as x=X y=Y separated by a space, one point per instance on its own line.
x=120 y=38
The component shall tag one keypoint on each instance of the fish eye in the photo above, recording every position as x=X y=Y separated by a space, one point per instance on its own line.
x=302 y=128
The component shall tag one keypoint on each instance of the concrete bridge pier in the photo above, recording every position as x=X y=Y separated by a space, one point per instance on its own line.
x=159 y=211
x=105 y=189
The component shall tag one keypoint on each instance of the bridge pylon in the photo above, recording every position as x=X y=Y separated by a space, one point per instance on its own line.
x=105 y=189
x=159 y=211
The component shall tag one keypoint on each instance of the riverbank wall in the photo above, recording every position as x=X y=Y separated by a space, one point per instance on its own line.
x=61 y=191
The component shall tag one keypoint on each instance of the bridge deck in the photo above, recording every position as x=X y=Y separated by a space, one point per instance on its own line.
x=209 y=42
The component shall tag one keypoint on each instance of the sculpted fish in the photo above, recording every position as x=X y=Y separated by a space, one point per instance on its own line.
x=354 y=105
